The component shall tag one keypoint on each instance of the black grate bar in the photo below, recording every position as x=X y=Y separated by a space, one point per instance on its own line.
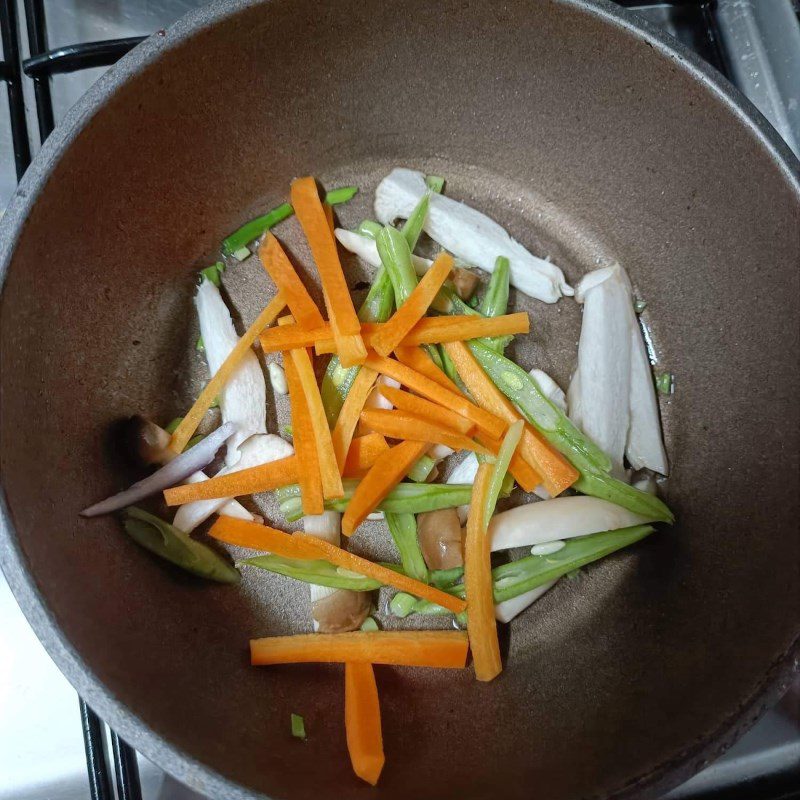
x=13 y=78
x=73 y=57
x=96 y=764
x=126 y=768
x=37 y=44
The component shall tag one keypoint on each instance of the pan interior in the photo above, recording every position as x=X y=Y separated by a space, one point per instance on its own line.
x=589 y=146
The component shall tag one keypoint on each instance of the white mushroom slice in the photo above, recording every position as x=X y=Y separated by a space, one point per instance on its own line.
x=243 y=400
x=277 y=377
x=468 y=234
x=602 y=392
x=508 y=609
x=366 y=249
x=561 y=518
x=259 y=449
x=375 y=398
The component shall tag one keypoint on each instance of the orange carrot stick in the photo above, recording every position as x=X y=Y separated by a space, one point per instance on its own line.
x=309 y=210
x=442 y=649
x=363 y=453
x=557 y=473
x=305 y=447
x=262 y=478
x=387 y=471
x=328 y=468
x=404 y=425
x=281 y=270
x=481 y=624
x=185 y=431
x=414 y=308
x=433 y=330
x=348 y=417
x=290 y=337
x=432 y=412
x=244 y=533
x=416 y=358
x=362 y=720
x=342 y=558
x=493 y=425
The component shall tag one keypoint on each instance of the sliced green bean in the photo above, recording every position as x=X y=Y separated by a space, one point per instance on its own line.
x=320 y=572
x=403 y=528
x=341 y=195
x=412 y=227
x=500 y=469
x=495 y=301
x=173 y=545
x=396 y=258
x=421 y=469
x=369 y=228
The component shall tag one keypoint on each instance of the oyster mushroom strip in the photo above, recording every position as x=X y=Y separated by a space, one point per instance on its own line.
x=468 y=234
x=612 y=396
x=176 y=471
x=334 y=610
x=243 y=398
x=149 y=444
x=517 y=578
x=259 y=449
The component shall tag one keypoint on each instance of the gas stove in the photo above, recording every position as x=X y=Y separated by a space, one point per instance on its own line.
x=53 y=51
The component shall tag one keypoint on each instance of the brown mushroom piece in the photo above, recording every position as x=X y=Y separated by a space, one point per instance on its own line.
x=342 y=611
x=439 y=534
x=465 y=282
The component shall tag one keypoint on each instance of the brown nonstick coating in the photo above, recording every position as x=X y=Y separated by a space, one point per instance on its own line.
x=591 y=141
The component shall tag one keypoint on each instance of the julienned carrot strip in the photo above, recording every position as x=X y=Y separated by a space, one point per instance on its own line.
x=289 y=337
x=347 y=420
x=414 y=308
x=350 y=561
x=456 y=329
x=363 y=453
x=281 y=270
x=342 y=315
x=305 y=448
x=244 y=533
x=433 y=412
x=481 y=624
x=436 y=330
x=362 y=720
x=404 y=425
x=522 y=472
x=328 y=468
x=557 y=473
x=416 y=358
x=185 y=431
x=263 y=478
x=442 y=649
x=493 y=425
x=387 y=471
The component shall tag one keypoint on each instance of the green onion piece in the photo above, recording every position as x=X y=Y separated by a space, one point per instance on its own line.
x=369 y=228
x=200 y=345
x=554 y=425
x=173 y=426
x=320 y=572
x=639 y=306
x=250 y=231
x=403 y=528
x=500 y=468
x=665 y=383
x=420 y=471
x=443 y=578
x=214 y=403
x=517 y=577
x=402 y=604
x=396 y=258
x=342 y=195
x=298 y=727
x=193 y=441
x=405 y=498
x=242 y=253
x=412 y=227
x=473 y=301
x=287 y=431
x=369 y=625
x=434 y=183
x=495 y=301
x=433 y=351
x=213 y=273
x=173 y=545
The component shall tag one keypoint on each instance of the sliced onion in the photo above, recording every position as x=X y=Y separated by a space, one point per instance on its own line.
x=176 y=471
x=508 y=609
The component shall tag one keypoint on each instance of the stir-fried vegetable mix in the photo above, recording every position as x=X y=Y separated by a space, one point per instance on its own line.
x=416 y=377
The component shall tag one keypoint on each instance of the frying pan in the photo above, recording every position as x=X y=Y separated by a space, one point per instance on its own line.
x=592 y=138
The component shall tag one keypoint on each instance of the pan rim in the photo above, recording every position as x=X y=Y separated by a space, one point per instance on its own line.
x=673 y=770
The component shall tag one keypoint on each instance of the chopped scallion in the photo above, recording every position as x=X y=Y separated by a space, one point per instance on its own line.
x=298 y=727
